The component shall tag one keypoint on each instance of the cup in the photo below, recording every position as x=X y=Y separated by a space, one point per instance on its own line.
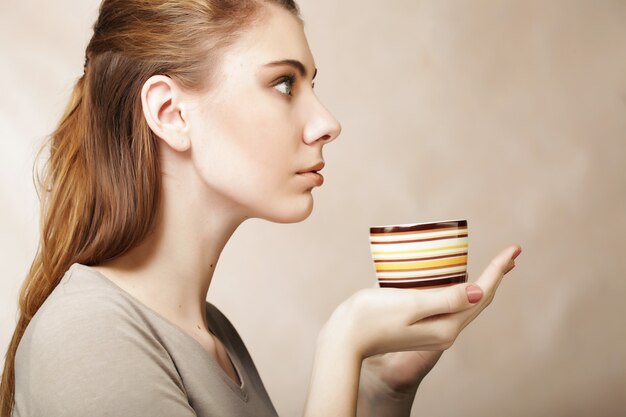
x=420 y=256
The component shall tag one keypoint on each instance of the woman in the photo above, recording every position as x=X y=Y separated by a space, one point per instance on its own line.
x=191 y=117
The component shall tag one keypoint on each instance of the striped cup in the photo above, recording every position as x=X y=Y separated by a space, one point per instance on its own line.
x=420 y=256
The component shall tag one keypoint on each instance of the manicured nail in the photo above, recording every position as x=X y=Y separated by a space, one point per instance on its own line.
x=474 y=293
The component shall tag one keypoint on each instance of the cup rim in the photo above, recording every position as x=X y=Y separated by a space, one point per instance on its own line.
x=390 y=228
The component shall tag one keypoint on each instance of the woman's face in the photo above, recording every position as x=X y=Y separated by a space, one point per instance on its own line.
x=257 y=134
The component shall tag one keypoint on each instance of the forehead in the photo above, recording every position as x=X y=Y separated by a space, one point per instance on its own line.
x=277 y=35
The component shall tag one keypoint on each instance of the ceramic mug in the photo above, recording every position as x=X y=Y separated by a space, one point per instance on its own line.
x=420 y=256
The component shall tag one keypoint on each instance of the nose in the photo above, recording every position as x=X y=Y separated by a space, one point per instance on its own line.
x=321 y=125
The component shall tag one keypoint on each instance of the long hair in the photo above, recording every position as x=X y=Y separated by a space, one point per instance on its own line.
x=100 y=188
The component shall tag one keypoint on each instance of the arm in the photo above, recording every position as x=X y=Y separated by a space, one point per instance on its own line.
x=335 y=379
x=385 y=331
x=389 y=382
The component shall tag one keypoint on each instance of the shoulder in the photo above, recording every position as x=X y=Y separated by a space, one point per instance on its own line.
x=88 y=350
x=83 y=308
x=83 y=321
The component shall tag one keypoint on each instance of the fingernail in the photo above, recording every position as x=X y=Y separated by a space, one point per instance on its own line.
x=474 y=293
x=517 y=252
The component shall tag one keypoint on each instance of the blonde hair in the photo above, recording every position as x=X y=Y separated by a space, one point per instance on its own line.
x=100 y=188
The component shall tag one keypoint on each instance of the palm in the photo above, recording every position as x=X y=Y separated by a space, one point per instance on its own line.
x=402 y=372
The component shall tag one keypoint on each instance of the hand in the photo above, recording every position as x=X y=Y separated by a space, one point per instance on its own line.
x=395 y=376
x=378 y=321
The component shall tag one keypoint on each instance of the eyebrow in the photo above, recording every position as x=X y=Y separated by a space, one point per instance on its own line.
x=294 y=64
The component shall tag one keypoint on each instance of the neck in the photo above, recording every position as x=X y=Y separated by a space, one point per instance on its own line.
x=172 y=270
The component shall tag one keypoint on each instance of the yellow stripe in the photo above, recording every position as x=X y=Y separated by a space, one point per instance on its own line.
x=430 y=249
x=408 y=266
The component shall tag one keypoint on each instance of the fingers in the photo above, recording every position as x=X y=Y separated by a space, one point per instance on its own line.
x=490 y=280
x=461 y=297
x=447 y=300
x=499 y=266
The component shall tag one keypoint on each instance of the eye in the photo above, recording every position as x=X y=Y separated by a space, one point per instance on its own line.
x=285 y=84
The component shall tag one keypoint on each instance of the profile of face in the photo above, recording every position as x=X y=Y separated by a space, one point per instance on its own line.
x=256 y=134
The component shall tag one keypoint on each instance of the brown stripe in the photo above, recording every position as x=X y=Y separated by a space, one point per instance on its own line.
x=452 y=255
x=424 y=284
x=418 y=227
x=427 y=276
x=419 y=232
x=419 y=240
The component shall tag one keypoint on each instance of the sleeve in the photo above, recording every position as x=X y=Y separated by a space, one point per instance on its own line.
x=88 y=356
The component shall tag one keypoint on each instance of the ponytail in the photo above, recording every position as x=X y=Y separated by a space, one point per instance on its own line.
x=43 y=276
x=93 y=207
x=98 y=198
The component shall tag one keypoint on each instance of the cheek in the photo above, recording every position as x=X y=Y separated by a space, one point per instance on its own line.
x=244 y=155
x=256 y=146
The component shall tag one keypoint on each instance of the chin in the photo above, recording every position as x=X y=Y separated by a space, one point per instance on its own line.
x=291 y=213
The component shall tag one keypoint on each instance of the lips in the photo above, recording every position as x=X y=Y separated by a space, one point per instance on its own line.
x=314 y=168
x=312 y=174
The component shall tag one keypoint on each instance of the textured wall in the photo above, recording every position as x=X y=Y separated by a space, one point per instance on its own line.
x=511 y=114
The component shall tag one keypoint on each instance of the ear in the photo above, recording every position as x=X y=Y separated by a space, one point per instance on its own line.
x=164 y=111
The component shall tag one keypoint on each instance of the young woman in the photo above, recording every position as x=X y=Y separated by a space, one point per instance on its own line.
x=191 y=117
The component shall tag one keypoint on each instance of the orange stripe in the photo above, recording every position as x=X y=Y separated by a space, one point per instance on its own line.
x=422 y=265
x=456 y=269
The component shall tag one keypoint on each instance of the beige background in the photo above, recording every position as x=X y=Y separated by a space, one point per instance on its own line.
x=511 y=114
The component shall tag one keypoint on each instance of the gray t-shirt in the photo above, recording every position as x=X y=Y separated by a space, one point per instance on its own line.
x=94 y=350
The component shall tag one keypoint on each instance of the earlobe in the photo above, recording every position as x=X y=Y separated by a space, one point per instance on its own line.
x=163 y=110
